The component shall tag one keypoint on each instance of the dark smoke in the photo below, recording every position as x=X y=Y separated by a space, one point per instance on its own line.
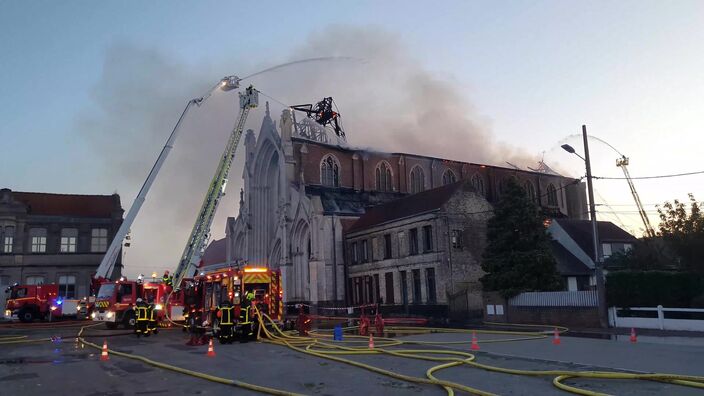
x=388 y=101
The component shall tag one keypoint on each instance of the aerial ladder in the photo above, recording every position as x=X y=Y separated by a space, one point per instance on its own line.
x=107 y=264
x=623 y=164
x=198 y=239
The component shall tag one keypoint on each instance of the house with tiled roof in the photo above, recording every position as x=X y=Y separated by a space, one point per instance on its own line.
x=573 y=248
x=56 y=238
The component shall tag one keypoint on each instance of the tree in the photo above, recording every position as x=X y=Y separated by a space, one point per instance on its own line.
x=683 y=233
x=518 y=257
x=647 y=254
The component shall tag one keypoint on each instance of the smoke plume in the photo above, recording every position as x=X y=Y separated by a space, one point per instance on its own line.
x=388 y=100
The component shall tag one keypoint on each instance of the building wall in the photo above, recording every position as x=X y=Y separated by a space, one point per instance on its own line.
x=456 y=266
x=21 y=262
x=357 y=170
x=576 y=317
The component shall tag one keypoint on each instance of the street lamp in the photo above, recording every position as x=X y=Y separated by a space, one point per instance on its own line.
x=598 y=262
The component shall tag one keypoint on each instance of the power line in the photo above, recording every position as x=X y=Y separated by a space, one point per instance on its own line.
x=628 y=205
x=650 y=177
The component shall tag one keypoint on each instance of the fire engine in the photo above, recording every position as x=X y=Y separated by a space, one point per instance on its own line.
x=30 y=302
x=115 y=302
x=215 y=287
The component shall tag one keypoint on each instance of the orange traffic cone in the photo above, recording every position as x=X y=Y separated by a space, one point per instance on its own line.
x=475 y=345
x=634 y=337
x=371 y=341
x=211 y=350
x=556 y=338
x=104 y=354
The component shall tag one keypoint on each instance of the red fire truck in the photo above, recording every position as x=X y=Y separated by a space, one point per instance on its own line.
x=215 y=287
x=115 y=302
x=33 y=302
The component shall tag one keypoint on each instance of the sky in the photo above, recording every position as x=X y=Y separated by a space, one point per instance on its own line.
x=90 y=91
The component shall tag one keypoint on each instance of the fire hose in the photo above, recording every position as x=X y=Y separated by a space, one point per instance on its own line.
x=193 y=373
x=316 y=345
x=313 y=345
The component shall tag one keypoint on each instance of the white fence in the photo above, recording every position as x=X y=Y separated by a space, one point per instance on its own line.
x=586 y=298
x=644 y=321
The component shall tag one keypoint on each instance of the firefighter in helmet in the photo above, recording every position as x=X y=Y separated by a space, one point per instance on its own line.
x=141 y=327
x=225 y=311
x=167 y=279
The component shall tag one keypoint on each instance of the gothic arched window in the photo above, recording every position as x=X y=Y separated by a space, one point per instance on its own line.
x=448 y=177
x=530 y=190
x=330 y=171
x=383 y=177
x=478 y=184
x=417 y=180
x=552 y=195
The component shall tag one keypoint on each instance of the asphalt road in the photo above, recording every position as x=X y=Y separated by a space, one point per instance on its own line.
x=67 y=368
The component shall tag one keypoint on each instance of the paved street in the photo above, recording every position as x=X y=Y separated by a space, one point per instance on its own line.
x=68 y=368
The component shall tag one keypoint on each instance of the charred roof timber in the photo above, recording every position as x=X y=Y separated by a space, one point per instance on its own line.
x=323 y=114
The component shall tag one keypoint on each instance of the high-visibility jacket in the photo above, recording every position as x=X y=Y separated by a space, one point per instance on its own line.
x=142 y=314
x=244 y=315
x=226 y=315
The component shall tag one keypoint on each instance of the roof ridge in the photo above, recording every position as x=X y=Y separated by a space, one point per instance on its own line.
x=413 y=204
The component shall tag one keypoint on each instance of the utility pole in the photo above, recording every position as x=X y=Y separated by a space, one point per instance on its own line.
x=598 y=261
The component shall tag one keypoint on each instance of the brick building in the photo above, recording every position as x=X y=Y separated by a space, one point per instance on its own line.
x=304 y=189
x=56 y=238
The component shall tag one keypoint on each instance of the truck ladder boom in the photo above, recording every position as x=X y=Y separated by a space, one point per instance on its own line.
x=623 y=163
x=110 y=257
x=199 y=235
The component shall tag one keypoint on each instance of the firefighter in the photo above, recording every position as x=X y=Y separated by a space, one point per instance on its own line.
x=225 y=314
x=167 y=279
x=141 y=328
x=152 y=327
x=246 y=325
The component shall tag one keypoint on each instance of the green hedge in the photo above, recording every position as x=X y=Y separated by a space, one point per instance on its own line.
x=653 y=288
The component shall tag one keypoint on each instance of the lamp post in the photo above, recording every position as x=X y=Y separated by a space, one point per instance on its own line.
x=598 y=261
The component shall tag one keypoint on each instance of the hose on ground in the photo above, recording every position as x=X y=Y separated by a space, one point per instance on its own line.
x=193 y=373
x=314 y=345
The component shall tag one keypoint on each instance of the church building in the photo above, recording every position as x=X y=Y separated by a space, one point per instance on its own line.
x=305 y=188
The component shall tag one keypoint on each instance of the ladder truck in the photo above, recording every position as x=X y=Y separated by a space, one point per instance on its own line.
x=187 y=266
x=623 y=164
x=115 y=300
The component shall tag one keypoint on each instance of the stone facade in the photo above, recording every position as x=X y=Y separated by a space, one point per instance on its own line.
x=433 y=262
x=56 y=238
x=302 y=193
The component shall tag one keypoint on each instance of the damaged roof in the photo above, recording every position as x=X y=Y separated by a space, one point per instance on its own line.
x=347 y=201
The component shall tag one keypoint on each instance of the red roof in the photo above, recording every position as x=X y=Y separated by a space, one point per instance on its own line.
x=68 y=204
